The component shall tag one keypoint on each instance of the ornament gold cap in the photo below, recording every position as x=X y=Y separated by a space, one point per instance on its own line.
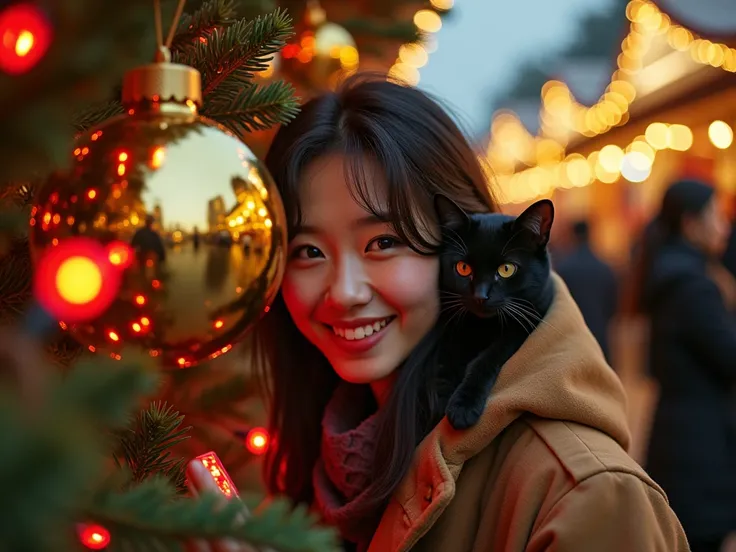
x=162 y=81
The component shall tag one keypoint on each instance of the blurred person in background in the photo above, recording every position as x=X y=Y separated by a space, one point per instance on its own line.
x=692 y=355
x=729 y=257
x=592 y=283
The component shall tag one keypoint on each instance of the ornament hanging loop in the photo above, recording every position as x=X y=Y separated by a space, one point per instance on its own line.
x=163 y=55
x=159 y=27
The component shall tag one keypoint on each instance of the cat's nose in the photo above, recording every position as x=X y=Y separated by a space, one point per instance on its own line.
x=480 y=299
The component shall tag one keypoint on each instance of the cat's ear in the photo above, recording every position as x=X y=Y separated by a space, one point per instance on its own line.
x=537 y=219
x=448 y=212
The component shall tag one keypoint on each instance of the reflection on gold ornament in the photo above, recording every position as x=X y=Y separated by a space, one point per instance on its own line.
x=185 y=210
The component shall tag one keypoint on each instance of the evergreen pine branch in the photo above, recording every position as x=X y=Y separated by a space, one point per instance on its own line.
x=15 y=280
x=148 y=517
x=255 y=107
x=236 y=53
x=144 y=446
x=54 y=450
x=211 y=15
x=95 y=114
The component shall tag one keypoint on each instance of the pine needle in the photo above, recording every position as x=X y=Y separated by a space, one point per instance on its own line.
x=144 y=446
x=255 y=107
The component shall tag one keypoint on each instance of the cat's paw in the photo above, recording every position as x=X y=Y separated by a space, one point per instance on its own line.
x=463 y=413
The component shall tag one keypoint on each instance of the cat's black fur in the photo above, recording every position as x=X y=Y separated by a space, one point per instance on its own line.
x=502 y=311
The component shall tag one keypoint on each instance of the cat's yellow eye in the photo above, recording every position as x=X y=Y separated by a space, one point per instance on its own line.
x=463 y=268
x=506 y=270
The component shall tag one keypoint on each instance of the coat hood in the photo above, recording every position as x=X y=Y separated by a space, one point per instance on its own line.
x=558 y=373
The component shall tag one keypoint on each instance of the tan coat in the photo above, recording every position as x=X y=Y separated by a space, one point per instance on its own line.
x=545 y=469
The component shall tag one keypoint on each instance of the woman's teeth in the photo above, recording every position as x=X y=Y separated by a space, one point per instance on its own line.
x=354 y=334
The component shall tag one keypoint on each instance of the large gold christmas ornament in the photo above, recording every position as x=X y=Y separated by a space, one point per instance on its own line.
x=184 y=210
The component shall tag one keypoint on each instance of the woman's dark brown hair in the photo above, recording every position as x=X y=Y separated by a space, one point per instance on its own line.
x=422 y=152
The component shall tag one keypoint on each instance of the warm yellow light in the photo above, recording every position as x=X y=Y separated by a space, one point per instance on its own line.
x=404 y=73
x=24 y=43
x=657 y=134
x=640 y=145
x=578 y=172
x=78 y=280
x=349 y=57
x=413 y=54
x=443 y=5
x=610 y=157
x=636 y=167
x=680 y=138
x=720 y=134
x=605 y=176
x=157 y=157
x=428 y=21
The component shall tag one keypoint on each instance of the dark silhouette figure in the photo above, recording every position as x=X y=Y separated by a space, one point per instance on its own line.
x=729 y=257
x=147 y=242
x=593 y=284
x=692 y=355
x=195 y=238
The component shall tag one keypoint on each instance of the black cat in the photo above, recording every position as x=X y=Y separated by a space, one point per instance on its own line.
x=495 y=267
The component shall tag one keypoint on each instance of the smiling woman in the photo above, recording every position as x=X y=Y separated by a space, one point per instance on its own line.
x=348 y=272
x=351 y=349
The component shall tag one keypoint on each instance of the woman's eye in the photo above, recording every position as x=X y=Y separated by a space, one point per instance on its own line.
x=383 y=243
x=306 y=252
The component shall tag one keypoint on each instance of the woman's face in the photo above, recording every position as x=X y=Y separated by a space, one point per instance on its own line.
x=709 y=230
x=353 y=289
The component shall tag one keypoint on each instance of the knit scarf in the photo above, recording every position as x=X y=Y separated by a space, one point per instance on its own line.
x=341 y=475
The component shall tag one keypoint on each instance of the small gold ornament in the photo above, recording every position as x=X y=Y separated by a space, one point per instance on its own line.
x=325 y=52
x=186 y=212
x=335 y=55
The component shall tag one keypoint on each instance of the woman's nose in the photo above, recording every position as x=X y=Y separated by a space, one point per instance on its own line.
x=350 y=286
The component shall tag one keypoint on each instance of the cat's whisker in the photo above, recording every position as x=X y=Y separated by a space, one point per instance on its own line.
x=525 y=301
x=457 y=239
x=522 y=315
x=449 y=293
x=524 y=319
x=509 y=310
x=530 y=314
x=459 y=311
x=526 y=306
x=453 y=245
x=533 y=313
x=450 y=308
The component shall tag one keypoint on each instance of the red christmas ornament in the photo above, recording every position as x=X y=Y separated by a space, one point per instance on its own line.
x=25 y=36
x=93 y=536
x=257 y=441
x=78 y=279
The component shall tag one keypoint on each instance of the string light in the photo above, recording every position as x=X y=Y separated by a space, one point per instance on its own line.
x=415 y=55
x=562 y=116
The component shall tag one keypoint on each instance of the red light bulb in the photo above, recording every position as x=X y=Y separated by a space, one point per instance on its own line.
x=93 y=536
x=257 y=441
x=75 y=280
x=25 y=36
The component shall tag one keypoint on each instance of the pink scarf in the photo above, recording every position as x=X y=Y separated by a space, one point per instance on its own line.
x=341 y=476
